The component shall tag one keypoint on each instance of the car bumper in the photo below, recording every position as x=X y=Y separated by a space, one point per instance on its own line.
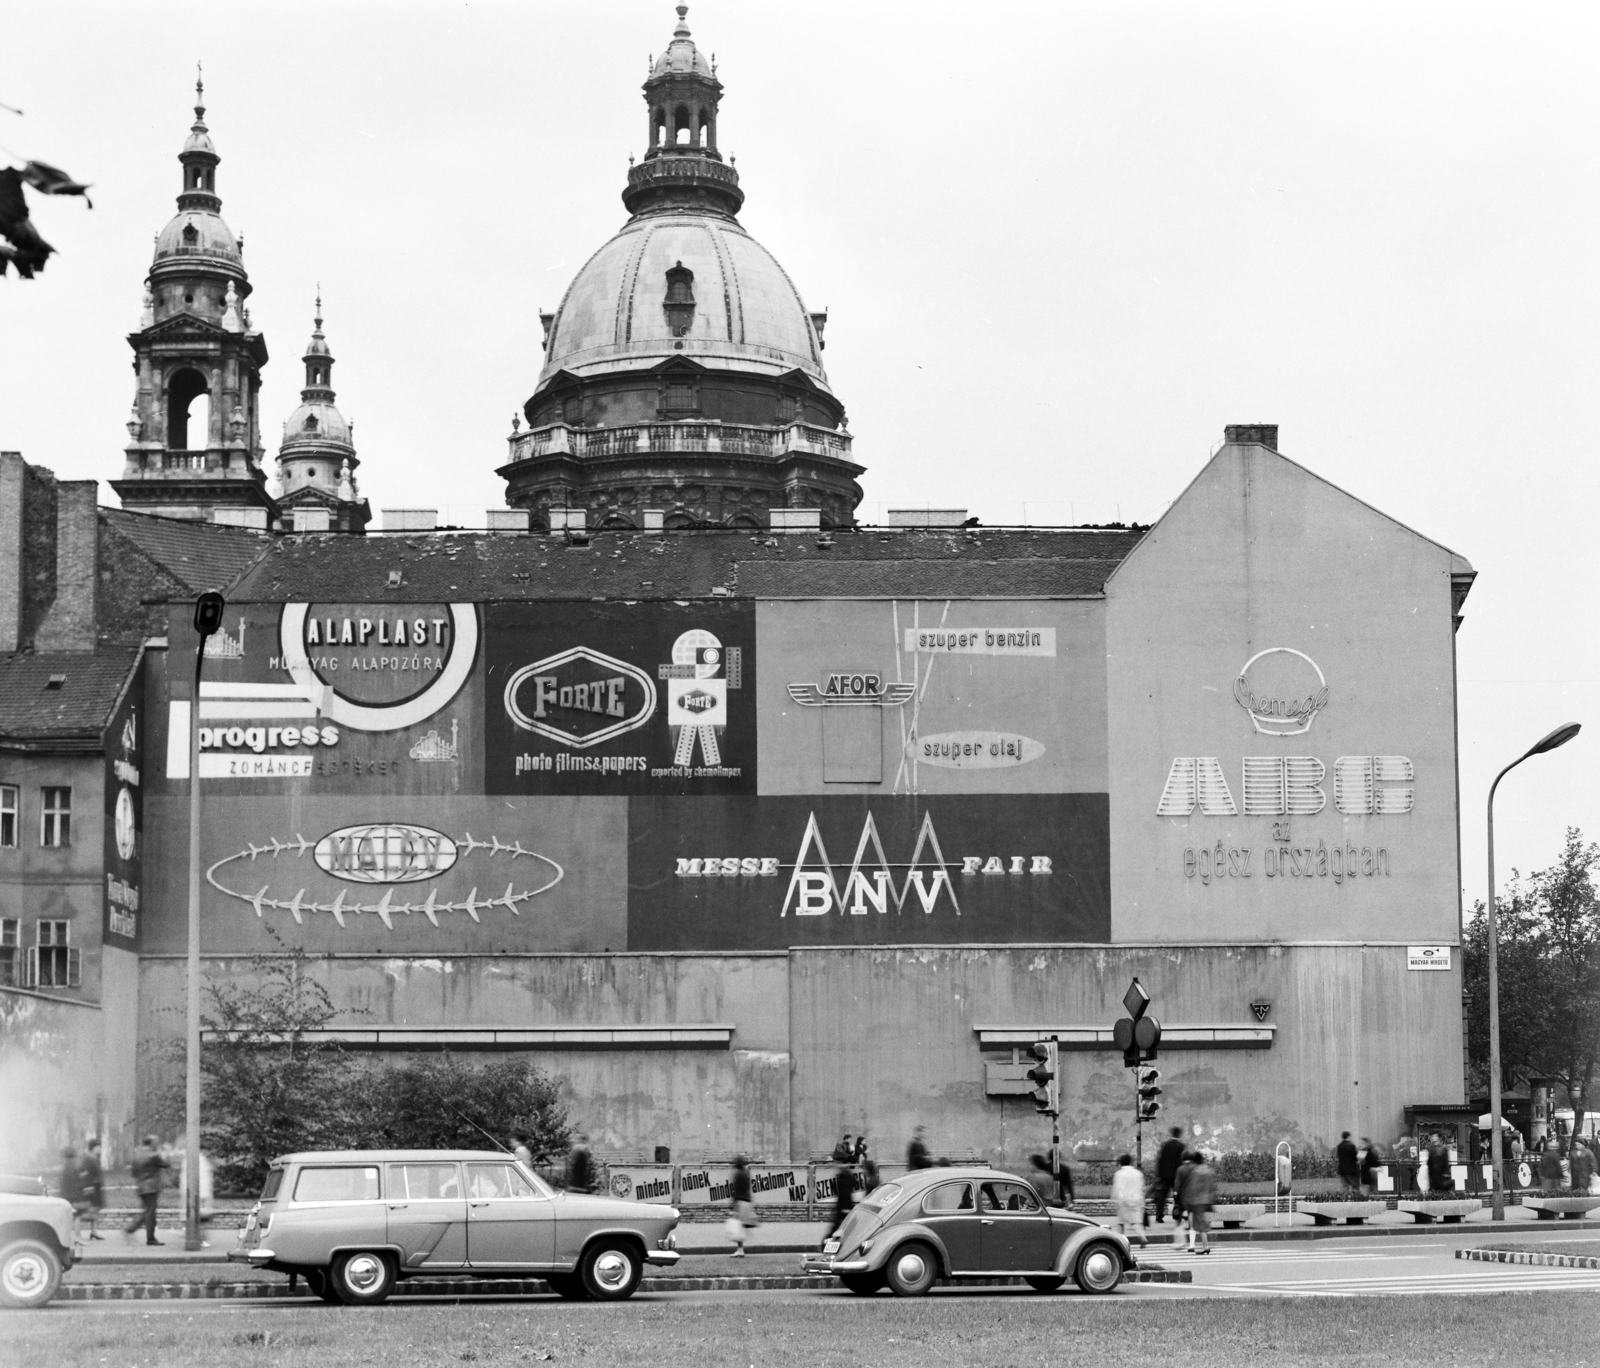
x=667 y=1257
x=825 y=1266
x=251 y=1256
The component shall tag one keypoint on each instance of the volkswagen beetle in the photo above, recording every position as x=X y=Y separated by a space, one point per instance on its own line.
x=354 y=1223
x=967 y=1223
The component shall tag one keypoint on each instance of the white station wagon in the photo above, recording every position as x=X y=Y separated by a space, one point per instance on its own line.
x=353 y=1223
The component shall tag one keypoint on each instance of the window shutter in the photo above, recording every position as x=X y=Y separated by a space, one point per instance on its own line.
x=74 y=967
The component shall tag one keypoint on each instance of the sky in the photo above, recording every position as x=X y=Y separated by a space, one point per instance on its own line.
x=1062 y=245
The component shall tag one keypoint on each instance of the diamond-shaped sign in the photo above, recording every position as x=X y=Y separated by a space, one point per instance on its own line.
x=1136 y=999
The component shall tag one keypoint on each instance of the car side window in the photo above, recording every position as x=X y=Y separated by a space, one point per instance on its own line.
x=342 y=1184
x=1010 y=1197
x=420 y=1182
x=948 y=1197
x=485 y=1181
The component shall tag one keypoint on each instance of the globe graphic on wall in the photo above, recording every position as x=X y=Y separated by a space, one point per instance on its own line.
x=701 y=649
x=126 y=835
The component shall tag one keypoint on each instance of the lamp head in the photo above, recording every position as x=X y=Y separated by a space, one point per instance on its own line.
x=1559 y=737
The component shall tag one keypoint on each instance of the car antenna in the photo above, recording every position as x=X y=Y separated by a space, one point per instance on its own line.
x=475 y=1126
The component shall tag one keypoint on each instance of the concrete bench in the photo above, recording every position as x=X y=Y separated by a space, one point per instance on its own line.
x=1448 y=1212
x=1352 y=1213
x=1554 y=1208
x=1232 y=1217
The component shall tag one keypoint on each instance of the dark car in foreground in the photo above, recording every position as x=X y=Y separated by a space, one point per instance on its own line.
x=967 y=1223
x=354 y=1223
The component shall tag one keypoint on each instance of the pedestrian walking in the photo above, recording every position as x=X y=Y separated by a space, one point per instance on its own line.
x=1583 y=1166
x=92 y=1183
x=148 y=1167
x=1127 y=1191
x=520 y=1151
x=1349 y=1162
x=1197 y=1186
x=1550 y=1174
x=1167 y=1163
x=580 y=1166
x=1516 y=1147
x=71 y=1185
x=868 y=1167
x=1439 y=1176
x=741 y=1205
x=917 y=1150
x=1371 y=1160
x=844 y=1194
x=1179 y=1211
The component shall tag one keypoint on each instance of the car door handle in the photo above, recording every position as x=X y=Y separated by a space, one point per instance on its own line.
x=985 y=1221
x=397 y=1206
x=478 y=1204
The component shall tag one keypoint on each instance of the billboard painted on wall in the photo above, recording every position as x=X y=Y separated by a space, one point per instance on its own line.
x=620 y=698
x=124 y=828
x=908 y=696
x=768 y=873
x=405 y=874
x=338 y=697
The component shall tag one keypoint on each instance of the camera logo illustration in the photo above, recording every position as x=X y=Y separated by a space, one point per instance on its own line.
x=697 y=680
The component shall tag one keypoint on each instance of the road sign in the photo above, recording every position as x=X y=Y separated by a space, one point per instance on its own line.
x=1135 y=999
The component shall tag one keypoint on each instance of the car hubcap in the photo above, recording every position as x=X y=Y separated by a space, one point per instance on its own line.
x=911 y=1268
x=364 y=1273
x=612 y=1270
x=1100 y=1268
x=25 y=1275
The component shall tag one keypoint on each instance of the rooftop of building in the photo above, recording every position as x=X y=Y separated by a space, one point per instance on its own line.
x=62 y=696
x=866 y=562
x=202 y=555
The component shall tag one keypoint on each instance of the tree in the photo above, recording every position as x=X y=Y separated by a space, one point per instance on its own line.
x=1549 y=972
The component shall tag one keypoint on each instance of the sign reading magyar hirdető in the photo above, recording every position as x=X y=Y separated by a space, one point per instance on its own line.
x=620 y=698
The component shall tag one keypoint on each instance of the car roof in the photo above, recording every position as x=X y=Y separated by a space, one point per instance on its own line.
x=386 y=1156
x=922 y=1177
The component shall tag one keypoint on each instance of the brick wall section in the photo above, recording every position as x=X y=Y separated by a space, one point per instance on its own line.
x=11 y=478
x=70 y=624
x=38 y=552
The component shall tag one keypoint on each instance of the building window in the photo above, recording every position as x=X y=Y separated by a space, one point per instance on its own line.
x=54 y=962
x=10 y=951
x=55 y=818
x=679 y=302
x=680 y=398
x=10 y=813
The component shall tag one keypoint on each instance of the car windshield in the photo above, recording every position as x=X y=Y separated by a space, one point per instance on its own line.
x=879 y=1198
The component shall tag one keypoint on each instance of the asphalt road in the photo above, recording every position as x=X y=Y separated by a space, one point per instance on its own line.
x=1380 y=1266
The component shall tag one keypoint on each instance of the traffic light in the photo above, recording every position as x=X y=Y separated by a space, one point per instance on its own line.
x=1043 y=1076
x=1147 y=1036
x=1148 y=1092
x=208 y=613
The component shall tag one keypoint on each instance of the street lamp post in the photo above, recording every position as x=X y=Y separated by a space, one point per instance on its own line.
x=207 y=619
x=1559 y=737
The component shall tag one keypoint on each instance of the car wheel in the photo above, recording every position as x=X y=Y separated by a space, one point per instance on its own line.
x=321 y=1285
x=568 y=1286
x=1099 y=1268
x=863 y=1284
x=611 y=1270
x=1044 y=1284
x=911 y=1269
x=30 y=1272
x=364 y=1278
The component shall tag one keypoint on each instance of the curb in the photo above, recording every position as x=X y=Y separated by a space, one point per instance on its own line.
x=1528 y=1256
x=455 y=1289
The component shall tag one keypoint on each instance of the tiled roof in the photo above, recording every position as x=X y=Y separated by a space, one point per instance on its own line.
x=633 y=565
x=80 y=708
x=202 y=555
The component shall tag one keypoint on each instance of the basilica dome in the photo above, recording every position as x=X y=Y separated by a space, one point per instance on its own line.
x=197 y=233
x=733 y=307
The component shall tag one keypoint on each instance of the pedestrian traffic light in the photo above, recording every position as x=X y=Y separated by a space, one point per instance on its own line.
x=1043 y=1076
x=208 y=613
x=1148 y=1092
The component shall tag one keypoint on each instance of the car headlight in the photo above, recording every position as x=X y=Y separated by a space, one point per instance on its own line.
x=668 y=1241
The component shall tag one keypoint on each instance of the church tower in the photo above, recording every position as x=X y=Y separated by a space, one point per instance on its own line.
x=195 y=447
x=683 y=383
x=317 y=460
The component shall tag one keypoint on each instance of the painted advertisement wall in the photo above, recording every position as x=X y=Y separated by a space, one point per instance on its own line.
x=1283 y=736
x=124 y=819
x=621 y=698
x=932 y=697
x=765 y=873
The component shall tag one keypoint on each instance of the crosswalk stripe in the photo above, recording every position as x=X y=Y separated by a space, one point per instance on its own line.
x=1418 y=1285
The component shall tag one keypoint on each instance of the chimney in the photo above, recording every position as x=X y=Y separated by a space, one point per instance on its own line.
x=1252 y=434
x=70 y=624
x=11 y=468
x=796 y=521
x=410 y=519
x=507 y=519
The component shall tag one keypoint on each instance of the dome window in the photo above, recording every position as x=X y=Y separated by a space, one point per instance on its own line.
x=679 y=303
x=311 y=424
x=190 y=235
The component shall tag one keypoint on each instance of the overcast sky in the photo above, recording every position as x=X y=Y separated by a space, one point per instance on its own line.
x=1061 y=245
